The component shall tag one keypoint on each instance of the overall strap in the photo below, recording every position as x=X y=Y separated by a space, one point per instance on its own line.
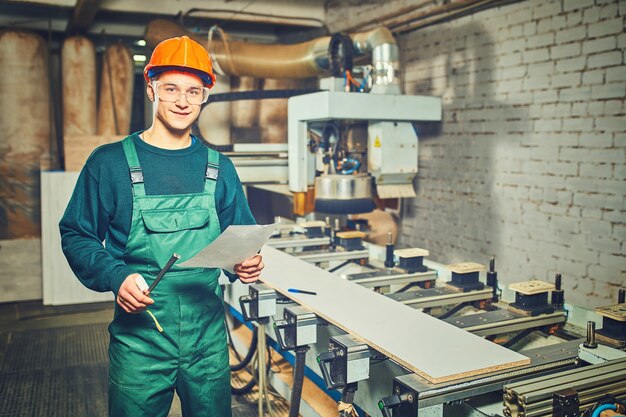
x=212 y=171
x=135 y=172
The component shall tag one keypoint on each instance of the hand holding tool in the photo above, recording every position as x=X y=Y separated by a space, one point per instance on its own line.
x=175 y=257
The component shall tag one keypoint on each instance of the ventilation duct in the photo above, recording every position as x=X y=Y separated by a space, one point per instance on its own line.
x=302 y=60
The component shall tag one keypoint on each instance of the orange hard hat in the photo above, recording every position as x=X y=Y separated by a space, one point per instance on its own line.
x=181 y=54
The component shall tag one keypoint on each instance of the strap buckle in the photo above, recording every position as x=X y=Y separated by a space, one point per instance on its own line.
x=212 y=171
x=136 y=175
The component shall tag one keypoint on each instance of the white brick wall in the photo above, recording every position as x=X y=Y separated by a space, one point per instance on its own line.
x=530 y=164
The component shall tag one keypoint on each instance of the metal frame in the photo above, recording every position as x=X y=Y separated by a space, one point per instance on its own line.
x=503 y=321
x=327 y=105
x=316 y=257
x=389 y=277
x=298 y=242
x=544 y=360
x=439 y=297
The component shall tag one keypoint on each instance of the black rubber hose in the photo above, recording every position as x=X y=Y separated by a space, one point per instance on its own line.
x=246 y=360
x=347 y=396
x=253 y=380
x=245 y=389
x=298 y=380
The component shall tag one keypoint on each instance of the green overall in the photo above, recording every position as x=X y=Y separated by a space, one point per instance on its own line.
x=191 y=354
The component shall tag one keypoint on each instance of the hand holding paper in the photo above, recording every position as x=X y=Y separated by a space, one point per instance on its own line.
x=236 y=244
x=249 y=270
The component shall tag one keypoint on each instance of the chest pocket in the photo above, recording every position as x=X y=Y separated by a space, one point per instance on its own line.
x=173 y=220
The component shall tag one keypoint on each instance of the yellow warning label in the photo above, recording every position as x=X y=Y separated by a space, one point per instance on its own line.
x=377 y=142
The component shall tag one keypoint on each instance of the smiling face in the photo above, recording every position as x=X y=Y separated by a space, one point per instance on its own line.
x=177 y=116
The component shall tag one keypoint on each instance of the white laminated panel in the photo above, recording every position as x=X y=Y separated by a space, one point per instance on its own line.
x=435 y=350
x=60 y=285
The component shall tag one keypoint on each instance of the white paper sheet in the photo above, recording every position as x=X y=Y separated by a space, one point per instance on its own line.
x=237 y=243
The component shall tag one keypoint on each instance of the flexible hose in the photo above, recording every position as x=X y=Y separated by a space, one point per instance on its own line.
x=251 y=350
x=250 y=384
x=346 y=407
x=253 y=370
x=298 y=380
x=603 y=407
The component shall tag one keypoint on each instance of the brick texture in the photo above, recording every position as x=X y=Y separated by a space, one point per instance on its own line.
x=529 y=164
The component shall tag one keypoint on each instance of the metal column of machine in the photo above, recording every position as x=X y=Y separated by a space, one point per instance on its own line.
x=345 y=364
x=261 y=302
x=296 y=332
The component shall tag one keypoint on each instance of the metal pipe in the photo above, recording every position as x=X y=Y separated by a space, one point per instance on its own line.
x=262 y=363
x=269 y=18
x=385 y=54
x=302 y=60
x=366 y=42
x=591 y=336
x=443 y=13
x=383 y=19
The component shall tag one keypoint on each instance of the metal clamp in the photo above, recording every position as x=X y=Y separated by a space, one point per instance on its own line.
x=298 y=329
x=259 y=305
x=324 y=360
x=347 y=361
x=388 y=404
x=245 y=300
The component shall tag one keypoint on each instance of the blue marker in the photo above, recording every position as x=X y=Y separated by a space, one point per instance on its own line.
x=297 y=291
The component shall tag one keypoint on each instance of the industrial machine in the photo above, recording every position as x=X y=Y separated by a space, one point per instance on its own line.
x=343 y=144
x=352 y=144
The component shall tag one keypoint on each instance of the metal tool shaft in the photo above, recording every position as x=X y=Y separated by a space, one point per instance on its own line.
x=175 y=257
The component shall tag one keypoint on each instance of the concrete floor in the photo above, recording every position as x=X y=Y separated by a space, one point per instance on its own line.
x=53 y=362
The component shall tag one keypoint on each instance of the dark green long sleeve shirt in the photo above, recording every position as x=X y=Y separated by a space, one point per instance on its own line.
x=101 y=206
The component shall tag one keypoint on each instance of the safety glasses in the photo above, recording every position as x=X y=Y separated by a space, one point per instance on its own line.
x=172 y=91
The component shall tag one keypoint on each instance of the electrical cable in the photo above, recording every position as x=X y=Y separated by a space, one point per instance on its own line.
x=224 y=22
x=341 y=265
x=225 y=42
x=406 y=287
x=452 y=311
x=512 y=341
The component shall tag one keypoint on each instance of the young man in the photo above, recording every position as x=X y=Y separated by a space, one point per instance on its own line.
x=153 y=194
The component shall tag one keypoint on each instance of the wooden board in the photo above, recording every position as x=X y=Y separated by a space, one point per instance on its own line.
x=313 y=223
x=531 y=287
x=435 y=350
x=615 y=312
x=411 y=252
x=77 y=148
x=466 y=267
x=350 y=234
